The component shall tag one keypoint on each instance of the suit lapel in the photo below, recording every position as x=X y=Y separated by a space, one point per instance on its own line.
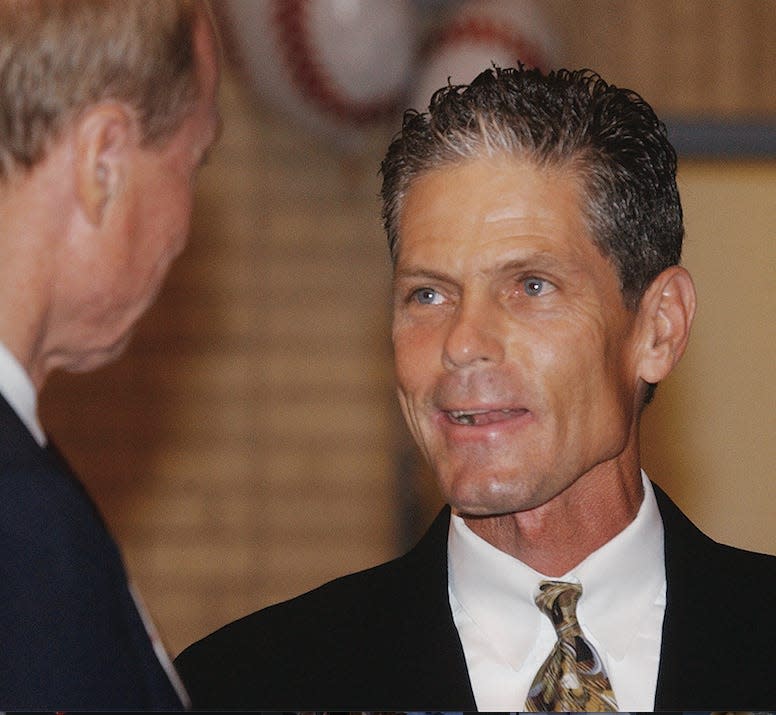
x=437 y=656
x=674 y=680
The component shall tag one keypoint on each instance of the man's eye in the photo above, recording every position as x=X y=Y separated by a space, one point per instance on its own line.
x=426 y=296
x=536 y=286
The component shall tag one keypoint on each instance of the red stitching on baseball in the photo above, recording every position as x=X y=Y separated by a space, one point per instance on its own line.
x=484 y=30
x=291 y=21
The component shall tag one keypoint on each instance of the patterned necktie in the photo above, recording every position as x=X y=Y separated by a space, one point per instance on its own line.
x=572 y=679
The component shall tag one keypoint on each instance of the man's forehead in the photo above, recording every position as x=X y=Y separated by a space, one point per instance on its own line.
x=489 y=199
x=494 y=183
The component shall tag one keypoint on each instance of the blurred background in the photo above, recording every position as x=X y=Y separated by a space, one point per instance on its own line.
x=248 y=446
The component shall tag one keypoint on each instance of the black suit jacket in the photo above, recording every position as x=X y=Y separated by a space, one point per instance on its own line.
x=71 y=637
x=384 y=639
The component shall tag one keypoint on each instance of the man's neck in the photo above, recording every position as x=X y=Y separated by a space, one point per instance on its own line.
x=556 y=536
x=21 y=335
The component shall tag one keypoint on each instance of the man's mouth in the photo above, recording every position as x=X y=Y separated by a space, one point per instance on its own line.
x=477 y=418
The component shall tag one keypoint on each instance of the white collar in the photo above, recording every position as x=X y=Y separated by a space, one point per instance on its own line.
x=622 y=580
x=18 y=389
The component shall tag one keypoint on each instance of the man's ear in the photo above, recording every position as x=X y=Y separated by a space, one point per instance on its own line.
x=666 y=313
x=104 y=135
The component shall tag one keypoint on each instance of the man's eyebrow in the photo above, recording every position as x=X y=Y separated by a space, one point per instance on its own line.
x=420 y=273
x=538 y=260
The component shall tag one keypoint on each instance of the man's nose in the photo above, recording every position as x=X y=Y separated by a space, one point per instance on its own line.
x=474 y=336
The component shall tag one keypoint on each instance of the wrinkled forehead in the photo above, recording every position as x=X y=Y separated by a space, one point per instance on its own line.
x=496 y=193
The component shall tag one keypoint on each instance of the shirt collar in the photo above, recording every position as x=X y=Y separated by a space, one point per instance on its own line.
x=18 y=389
x=621 y=581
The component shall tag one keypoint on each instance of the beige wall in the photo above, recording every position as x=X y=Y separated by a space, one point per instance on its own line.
x=710 y=435
x=686 y=57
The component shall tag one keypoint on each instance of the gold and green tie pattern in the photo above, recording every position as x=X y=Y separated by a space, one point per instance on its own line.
x=572 y=679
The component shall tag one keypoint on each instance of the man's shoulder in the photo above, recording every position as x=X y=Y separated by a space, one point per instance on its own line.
x=337 y=604
x=718 y=612
x=742 y=577
x=747 y=562
x=43 y=503
x=66 y=592
x=347 y=637
x=687 y=547
x=337 y=609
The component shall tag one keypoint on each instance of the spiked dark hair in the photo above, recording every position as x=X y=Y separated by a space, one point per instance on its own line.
x=609 y=137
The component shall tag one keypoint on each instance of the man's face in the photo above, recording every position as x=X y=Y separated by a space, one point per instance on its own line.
x=514 y=351
x=151 y=225
x=161 y=227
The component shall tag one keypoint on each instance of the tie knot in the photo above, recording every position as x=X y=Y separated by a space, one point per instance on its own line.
x=573 y=678
x=558 y=600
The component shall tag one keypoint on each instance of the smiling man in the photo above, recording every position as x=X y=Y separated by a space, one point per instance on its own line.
x=535 y=228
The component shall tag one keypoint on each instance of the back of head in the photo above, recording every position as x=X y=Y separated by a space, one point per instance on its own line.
x=608 y=137
x=58 y=57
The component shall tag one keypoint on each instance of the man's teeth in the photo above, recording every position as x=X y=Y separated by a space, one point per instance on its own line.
x=470 y=418
x=464 y=419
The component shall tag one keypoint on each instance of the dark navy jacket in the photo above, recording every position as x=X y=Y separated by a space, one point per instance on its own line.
x=71 y=637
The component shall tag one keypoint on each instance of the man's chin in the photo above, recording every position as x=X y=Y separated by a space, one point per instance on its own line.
x=490 y=506
x=498 y=496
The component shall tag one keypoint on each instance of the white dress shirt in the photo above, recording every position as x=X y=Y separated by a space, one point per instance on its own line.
x=506 y=637
x=17 y=388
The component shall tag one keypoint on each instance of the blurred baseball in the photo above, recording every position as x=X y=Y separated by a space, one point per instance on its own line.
x=477 y=35
x=337 y=67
